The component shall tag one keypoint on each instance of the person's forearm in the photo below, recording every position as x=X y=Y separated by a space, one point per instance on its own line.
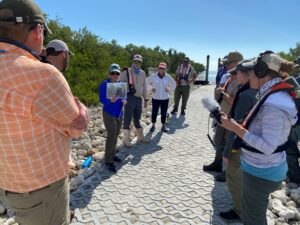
x=227 y=98
x=239 y=130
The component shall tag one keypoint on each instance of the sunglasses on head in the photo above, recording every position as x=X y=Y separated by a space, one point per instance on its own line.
x=115 y=73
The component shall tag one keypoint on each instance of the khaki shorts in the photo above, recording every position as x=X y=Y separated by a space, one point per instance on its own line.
x=46 y=206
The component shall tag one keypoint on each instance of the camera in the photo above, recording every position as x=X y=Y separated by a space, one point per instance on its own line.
x=131 y=89
x=216 y=114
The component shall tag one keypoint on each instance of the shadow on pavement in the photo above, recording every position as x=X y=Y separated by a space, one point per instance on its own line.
x=176 y=123
x=81 y=197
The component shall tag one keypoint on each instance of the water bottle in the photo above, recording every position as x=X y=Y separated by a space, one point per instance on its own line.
x=168 y=118
x=87 y=162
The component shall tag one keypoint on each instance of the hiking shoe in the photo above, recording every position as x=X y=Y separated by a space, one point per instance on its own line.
x=213 y=167
x=182 y=113
x=173 y=111
x=117 y=159
x=111 y=167
x=164 y=129
x=152 y=129
x=230 y=215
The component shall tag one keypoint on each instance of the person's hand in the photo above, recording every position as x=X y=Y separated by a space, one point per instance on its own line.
x=124 y=101
x=145 y=104
x=167 y=89
x=113 y=99
x=219 y=90
x=228 y=123
x=80 y=122
x=153 y=90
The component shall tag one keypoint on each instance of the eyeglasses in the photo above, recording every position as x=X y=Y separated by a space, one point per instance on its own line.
x=115 y=73
x=45 y=31
x=161 y=68
x=137 y=62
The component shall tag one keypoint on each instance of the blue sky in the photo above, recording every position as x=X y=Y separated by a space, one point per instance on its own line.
x=195 y=27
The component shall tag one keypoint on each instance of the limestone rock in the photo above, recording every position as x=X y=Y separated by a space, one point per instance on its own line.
x=2 y=209
x=280 y=195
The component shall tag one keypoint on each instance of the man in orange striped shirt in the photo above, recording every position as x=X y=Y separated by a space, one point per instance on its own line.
x=38 y=116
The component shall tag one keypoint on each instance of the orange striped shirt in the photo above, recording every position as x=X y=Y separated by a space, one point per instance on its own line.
x=36 y=111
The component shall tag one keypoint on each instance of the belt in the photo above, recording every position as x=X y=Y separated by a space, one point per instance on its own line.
x=26 y=193
x=53 y=185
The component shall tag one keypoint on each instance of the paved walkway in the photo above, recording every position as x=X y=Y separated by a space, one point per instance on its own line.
x=159 y=183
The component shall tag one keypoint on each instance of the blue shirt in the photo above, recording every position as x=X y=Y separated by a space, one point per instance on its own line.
x=113 y=109
x=220 y=74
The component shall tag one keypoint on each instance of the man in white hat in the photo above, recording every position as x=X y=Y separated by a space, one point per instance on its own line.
x=58 y=54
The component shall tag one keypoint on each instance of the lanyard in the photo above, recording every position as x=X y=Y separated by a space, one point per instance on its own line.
x=20 y=45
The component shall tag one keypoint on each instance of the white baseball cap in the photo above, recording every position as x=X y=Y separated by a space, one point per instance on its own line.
x=57 y=46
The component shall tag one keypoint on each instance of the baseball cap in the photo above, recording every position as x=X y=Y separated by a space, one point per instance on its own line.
x=239 y=66
x=186 y=59
x=224 y=58
x=162 y=65
x=137 y=57
x=272 y=60
x=114 y=68
x=233 y=57
x=57 y=46
x=23 y=11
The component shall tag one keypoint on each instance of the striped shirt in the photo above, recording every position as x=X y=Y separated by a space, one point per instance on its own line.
x=36 y=112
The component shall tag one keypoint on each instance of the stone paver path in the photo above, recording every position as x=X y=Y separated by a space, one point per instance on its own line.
x=161 y=182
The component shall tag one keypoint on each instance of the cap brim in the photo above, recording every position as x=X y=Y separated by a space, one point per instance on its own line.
x=248 y=65
x=71 y=53
x=233 y=70
x=48 y=29
x=115 y=70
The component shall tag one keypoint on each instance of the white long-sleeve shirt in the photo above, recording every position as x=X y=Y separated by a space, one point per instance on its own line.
x=270 y=129
x=163 y=86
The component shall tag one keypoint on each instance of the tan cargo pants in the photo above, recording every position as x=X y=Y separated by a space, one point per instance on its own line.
x=46 y=206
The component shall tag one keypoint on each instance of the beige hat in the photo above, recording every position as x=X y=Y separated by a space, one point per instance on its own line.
x=137 y=57
x=233 y=57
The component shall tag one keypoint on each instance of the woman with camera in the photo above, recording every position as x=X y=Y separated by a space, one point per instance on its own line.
x=243 y=102
x=263 y=134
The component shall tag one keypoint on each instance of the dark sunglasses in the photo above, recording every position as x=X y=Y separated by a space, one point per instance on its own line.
x=137 y=62
x=115 y=73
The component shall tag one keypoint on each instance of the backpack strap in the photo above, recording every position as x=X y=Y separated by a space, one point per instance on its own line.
x=276 y=88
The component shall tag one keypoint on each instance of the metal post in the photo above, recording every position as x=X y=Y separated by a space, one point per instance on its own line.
x=207 y=68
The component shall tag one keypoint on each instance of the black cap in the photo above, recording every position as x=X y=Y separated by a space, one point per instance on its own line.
x=186 y=59
x=23 y=11
x=245 y=65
